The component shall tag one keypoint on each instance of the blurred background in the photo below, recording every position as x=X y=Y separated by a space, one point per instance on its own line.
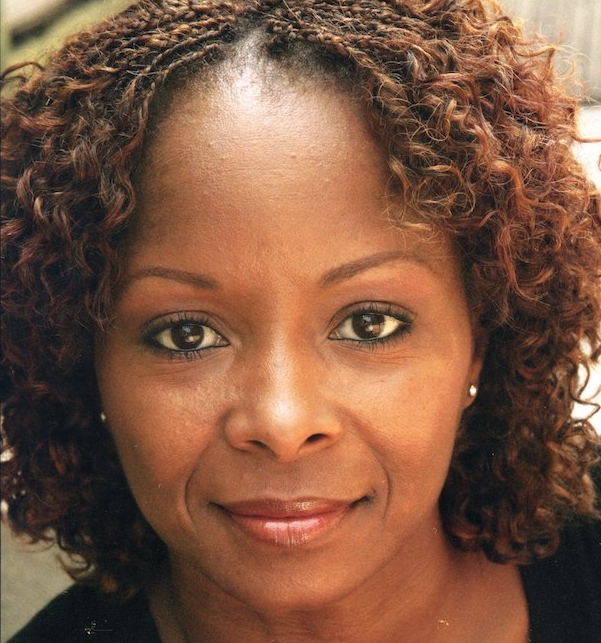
x=31 y=576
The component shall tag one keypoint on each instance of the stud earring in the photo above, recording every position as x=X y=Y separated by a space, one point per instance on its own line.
x=473 y=390
x=103 y=417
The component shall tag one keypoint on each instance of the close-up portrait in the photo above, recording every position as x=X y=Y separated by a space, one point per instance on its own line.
x=301 y=311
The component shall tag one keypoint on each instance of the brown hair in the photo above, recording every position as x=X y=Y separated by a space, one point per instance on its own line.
x=477 y=133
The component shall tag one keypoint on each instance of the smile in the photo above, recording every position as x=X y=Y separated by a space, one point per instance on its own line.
x=285 y=523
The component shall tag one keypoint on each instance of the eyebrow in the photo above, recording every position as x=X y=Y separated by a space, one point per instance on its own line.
x=348 y=270
x=183 y=276
x=332 y=277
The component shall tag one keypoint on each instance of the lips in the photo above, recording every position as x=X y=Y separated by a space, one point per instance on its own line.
x=287 y=523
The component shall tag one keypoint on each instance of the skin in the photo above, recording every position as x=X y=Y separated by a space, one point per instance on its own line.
x=265 y=215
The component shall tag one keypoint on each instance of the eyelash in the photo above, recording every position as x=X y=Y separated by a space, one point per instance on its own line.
x=154 y=328
x=404 y=318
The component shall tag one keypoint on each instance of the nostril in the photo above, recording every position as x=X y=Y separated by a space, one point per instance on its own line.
x=258 y=443
x=316 y=437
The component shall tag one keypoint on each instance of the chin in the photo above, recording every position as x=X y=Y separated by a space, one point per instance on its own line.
x=292 y=598
x=290 y=593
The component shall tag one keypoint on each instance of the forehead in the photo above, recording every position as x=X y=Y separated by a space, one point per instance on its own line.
x=253 y=122
x=261 y=103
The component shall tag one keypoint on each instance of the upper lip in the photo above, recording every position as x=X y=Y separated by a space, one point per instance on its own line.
x=284 y=508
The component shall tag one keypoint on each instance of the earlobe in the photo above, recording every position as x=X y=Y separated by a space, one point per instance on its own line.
x=471 y=394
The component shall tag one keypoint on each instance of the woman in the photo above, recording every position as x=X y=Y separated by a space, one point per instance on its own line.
x=297 y=297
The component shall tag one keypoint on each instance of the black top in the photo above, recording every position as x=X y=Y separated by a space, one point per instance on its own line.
x=83 y=615
x=563 y=594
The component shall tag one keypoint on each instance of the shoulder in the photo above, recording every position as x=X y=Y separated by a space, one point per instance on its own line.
x=564 y=591
x=81 y=614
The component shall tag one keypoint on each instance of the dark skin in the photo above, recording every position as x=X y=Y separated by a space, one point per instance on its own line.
x=285 y=379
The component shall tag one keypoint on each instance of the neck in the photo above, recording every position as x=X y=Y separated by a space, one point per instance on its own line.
x=443 y=596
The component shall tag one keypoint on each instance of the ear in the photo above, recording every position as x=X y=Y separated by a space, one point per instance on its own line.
x=478 y=357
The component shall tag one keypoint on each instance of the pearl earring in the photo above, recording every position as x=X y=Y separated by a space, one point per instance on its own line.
x=102 y=417
x=473 y=390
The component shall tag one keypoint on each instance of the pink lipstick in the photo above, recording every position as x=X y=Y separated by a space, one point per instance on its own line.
x=287 y=523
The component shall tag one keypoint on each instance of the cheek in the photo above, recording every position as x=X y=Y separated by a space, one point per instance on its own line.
x=414 y=416
x=160 y=432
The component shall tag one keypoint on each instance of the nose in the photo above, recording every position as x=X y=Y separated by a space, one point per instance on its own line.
x=282 y=410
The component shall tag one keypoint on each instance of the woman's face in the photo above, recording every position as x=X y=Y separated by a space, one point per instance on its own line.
x=287 y=370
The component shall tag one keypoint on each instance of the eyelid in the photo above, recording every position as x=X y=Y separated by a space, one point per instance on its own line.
x=372 y=306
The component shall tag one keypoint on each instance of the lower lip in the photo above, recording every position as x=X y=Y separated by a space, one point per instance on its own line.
x=291 y=531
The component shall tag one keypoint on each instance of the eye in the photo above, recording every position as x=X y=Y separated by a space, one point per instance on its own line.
x=371 y=326
x=185 y=336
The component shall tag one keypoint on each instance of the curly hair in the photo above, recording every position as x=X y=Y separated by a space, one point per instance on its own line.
x=477 y=131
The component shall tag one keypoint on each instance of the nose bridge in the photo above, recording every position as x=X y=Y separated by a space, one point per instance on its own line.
x=284 y=395
x=282 y=407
